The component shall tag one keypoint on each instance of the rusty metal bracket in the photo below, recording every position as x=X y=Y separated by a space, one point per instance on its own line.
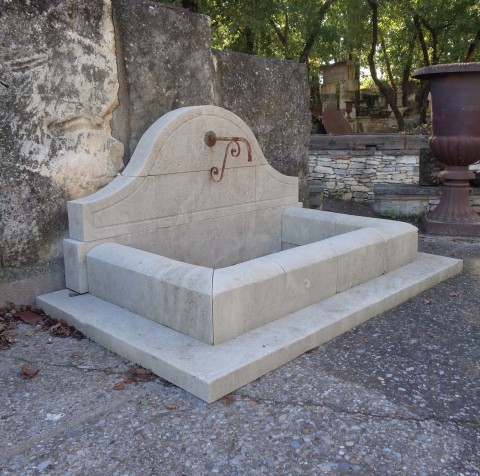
x=233 y=147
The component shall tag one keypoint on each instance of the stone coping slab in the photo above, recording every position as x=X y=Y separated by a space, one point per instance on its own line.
x=210 y=372
x=364 y=141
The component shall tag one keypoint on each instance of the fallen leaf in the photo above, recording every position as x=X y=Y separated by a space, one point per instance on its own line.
x=143 y=402
x=139 y=371
x=119 y=386
x=7 y=325
x=175 y=406
x=61 y=329
x=455 y=253
x=165 y=383
x=427 y=301
x=454 y=294
x=7 y=339
x=228 y=399
x=28 y=373
x=366 y=340
x=29 y=316
x=139 y=374
x=30 y=333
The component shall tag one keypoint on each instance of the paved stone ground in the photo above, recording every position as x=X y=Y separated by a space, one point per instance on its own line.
x=400 y=394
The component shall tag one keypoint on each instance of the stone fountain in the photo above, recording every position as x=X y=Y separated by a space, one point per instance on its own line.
x=199 y=263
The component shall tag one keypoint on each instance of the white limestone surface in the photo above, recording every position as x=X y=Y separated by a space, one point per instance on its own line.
x=169 y=292
x=210 y=372
x=167 y=191
x=213 y=283
x=301 y=226
x=215 y=305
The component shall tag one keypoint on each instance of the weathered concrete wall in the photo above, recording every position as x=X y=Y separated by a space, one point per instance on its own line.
x=79 y=80
x=57 y=93
x=165 y=62
x=272 y=97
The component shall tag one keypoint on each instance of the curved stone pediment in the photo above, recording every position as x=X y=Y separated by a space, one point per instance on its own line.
x=168 y=202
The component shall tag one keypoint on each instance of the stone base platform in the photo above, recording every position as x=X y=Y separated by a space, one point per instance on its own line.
x=407 y=200
x=210 y=372
x=451 y=229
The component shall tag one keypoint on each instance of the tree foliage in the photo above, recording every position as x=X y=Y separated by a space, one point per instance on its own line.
x=391 y=37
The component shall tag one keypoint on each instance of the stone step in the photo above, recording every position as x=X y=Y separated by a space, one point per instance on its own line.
x=210 y=372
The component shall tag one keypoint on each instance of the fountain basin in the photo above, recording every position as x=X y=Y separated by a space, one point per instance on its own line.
x=328 y=254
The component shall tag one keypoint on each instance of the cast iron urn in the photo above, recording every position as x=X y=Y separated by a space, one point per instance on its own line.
x=455 y=141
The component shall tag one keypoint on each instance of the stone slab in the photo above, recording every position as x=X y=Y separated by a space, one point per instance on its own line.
x=366 y=141
x=174 y=294
x=58 y=89
x=175 y=69
x=250 y=86
x=211 y=372
x=335 y=123
x=301 y=226
x=404 y=200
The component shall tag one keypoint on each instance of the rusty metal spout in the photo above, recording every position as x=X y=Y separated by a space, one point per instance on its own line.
x=233 y=147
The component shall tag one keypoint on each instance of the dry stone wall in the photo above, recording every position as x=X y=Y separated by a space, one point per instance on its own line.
x=350 y=166
x=352 y=174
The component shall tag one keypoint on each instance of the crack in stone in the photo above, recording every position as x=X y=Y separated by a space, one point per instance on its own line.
x=430 y=418
x=69 y=366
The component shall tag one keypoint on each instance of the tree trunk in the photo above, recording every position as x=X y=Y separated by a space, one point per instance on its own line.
x=314 y=81
x=472 y=47
x=389 y=67
x=421 y=40
x=249 y=40
x=313 y=36
x=191 y=5
x=387 y=92
x=424 y=88
x=407 y=70
x=423 y=102
x=282 y=35
x=433 y=41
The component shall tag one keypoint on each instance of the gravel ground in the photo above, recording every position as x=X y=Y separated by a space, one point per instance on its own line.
x=399 y=394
